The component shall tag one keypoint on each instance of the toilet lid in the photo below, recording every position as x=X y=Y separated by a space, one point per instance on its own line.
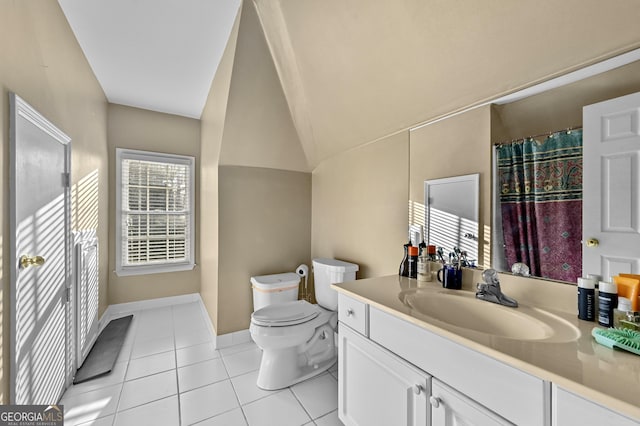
x=285 y=314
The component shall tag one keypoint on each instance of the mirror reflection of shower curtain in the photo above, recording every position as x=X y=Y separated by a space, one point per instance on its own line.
x=540 y=186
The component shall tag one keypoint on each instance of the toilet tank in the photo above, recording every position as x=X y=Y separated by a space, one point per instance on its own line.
x=272 y=289
x=327 y=272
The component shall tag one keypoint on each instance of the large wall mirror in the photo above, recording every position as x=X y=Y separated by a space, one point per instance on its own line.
x=539 y=123
x=451 y=213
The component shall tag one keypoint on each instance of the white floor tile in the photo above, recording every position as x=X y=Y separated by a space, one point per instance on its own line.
x=151 y=331
x=154 y=371
x=243 y=362
x=113 y=378
x=330 y=419
x=148 y=389
x=190 y=308
x=192 y=338
x=142 y=348
x=230 y=418
x=201 y=374
x=319 y=395
x=280 y=409
x=102 y=421
x=198 y=353
x=238 y=348
x=88 y=406
x=191 y=326
x=152 y=364
x=246 y=388
x=159 y=413
x=208 y=401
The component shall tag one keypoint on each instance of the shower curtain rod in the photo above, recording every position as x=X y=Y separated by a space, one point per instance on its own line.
x=568 y=129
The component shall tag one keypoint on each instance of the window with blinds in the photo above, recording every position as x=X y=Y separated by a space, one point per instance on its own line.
x=155 y=212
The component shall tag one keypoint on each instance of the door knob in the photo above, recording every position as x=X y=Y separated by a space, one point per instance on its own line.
x=434 y=401
x=26 y=261
x=349 y=312
x=417 y=389
x=592 y=242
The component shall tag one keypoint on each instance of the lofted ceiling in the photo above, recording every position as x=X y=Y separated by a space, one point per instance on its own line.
x=347 y=72
x=159 y=55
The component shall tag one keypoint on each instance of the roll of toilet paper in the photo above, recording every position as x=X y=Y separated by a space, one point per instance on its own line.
x=302 y=270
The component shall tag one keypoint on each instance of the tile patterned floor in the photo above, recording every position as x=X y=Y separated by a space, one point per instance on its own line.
x=170 y=373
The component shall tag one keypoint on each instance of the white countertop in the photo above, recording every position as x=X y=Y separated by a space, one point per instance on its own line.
x=605 y=376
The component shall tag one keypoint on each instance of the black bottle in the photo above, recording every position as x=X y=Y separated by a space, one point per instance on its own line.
x=413 y=262
x=422 y=247
x=404 y=265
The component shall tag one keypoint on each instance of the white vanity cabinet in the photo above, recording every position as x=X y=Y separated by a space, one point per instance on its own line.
x=385 y=379
x=375 y=387
x=571 y=409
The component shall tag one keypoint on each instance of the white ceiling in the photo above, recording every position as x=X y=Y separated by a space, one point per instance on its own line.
x=159 y=55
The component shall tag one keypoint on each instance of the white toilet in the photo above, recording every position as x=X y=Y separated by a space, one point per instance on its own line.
x=296 y=337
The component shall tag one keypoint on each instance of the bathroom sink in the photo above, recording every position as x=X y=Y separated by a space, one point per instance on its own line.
x=460 y=310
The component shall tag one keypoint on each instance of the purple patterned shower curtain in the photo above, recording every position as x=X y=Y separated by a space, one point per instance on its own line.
x=541 y=204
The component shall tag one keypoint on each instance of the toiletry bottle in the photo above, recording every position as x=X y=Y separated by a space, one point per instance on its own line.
x=404 y=265
x=424 y=267
x=413 y=262
x=620 y=313
x=586 y=299
x=607 y=301
x=431 y=252
x=422 y=247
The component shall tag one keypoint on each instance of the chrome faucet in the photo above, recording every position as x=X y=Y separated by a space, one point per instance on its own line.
x=490 y=290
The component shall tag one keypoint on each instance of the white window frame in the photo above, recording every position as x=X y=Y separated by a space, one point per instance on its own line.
x=189 y=264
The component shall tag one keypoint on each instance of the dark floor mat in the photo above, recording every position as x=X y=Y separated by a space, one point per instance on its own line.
x=105 y=350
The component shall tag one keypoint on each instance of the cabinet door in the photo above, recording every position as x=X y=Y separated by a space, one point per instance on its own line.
x=572 y=409
x=375 y=387
x=451 y=408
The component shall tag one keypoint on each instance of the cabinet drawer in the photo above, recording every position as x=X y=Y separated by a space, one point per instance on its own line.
x=353 y=313
x=511 y=393
x=451 y=407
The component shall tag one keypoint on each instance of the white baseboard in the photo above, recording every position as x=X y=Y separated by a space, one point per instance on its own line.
x=205 y=313
x=122 y=309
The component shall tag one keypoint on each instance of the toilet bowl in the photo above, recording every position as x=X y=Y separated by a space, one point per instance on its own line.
x=296 y=337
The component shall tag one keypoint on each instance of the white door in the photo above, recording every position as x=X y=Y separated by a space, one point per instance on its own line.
x=611 y=187
x=39 y=216
x=451 y=408
x=375 y=387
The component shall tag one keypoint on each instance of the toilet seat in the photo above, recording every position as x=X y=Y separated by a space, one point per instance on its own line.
x=285 y=314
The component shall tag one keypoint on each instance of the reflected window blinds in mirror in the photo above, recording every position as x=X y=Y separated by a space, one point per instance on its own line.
x=451 y=213
x=539 y=185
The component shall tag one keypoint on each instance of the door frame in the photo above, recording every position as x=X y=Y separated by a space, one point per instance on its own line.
x=20 y=108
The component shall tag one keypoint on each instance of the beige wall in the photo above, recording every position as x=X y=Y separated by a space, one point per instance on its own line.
x=41 y=61
x=211 y=130
x=258 y=121
x=140 y=129
x=257 y=196
x=457 y=146
x=265 y=228
x=358 y=70
x=360 y=206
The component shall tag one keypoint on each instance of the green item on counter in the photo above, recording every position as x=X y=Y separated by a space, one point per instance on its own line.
x=623 y=338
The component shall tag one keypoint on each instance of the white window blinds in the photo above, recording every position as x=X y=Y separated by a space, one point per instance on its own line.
x=156 y=212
